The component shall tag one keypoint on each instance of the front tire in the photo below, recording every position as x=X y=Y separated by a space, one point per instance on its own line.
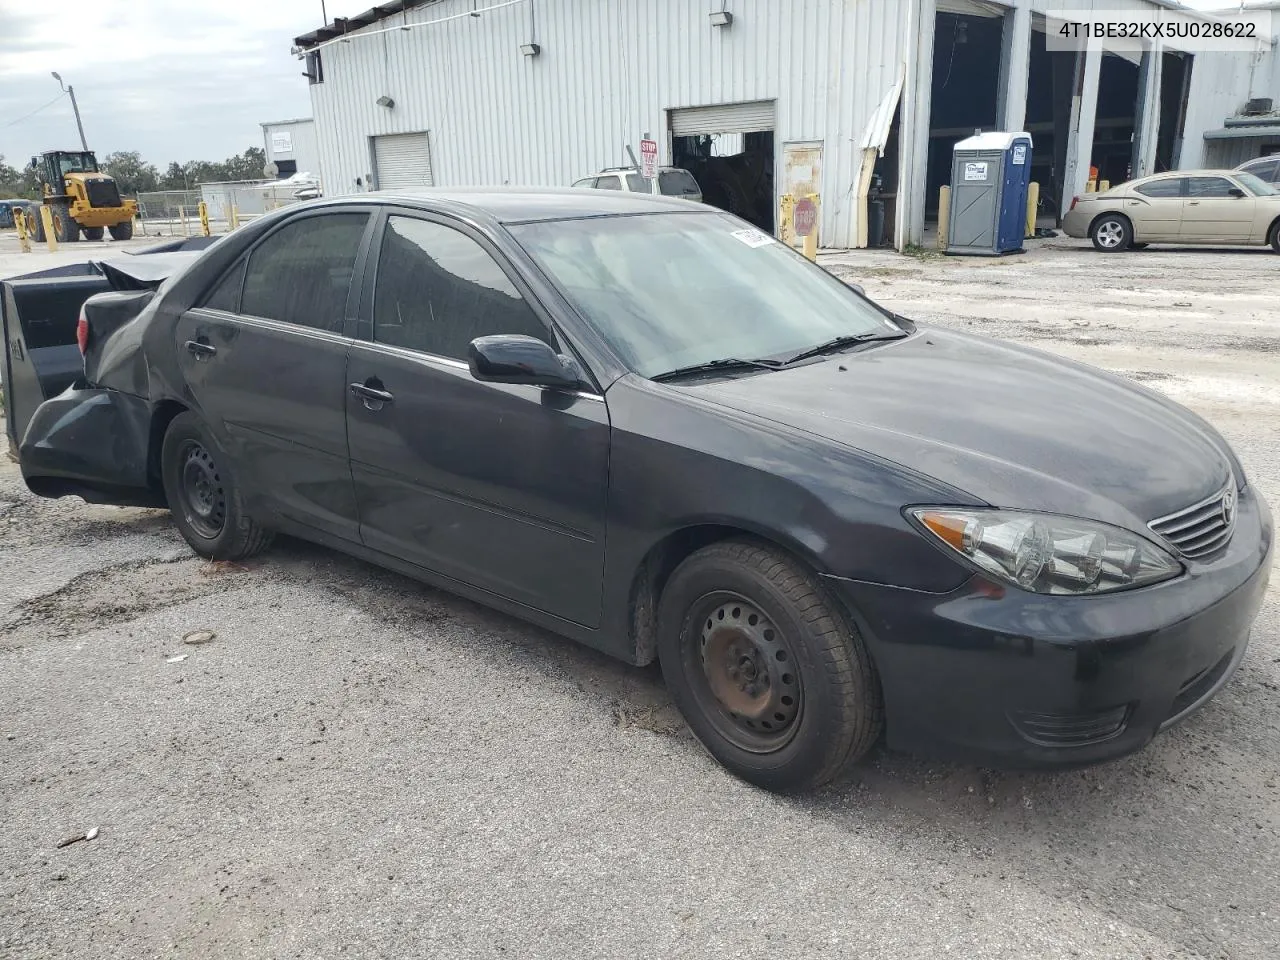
x=206 y=502
x=1111 y=233
x=122 y=231
x=770 y=675
x=64 y=228
x=93 y=233
x=1275 y=236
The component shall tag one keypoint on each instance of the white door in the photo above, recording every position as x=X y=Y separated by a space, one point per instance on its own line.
x=402 y=161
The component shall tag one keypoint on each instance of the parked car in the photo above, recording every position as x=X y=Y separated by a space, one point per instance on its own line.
x=1189 y=206
x=1266 y=169
x=654 y=429
x=672 y=182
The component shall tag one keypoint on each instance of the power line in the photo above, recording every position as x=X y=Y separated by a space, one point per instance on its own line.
x=35 y=111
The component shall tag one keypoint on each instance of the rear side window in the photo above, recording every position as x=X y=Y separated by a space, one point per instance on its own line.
x=1209 y=187
x=637 y=183
x=226 y=295
x=585 y=182
x=301 y=273
x=608 y=183
x=437 y=290
x=677 y=183
x=1162 y=188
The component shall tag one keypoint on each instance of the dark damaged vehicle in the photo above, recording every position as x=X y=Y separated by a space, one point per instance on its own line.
x=645 y=425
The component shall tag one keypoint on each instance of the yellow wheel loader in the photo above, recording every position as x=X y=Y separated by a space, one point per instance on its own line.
x=81 y=198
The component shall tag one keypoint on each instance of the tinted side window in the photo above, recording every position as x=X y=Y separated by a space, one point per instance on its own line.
x=437 y=290
x=637 y=183
x=1209 y=187
x=585 y=182
x=608 y=183
x=677 y=183
x=226 y=294
x=1162 y=188
x=302 y=272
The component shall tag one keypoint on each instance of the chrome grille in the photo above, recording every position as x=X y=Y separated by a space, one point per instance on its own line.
x=1203 y=527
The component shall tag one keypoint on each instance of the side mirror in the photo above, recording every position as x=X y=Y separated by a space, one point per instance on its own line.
x=1236 y=192
x=515 y=358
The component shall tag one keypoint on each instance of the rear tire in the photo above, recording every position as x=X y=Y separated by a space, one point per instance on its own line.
x=64 y=228
x=122 y=231
x=1275 y=236
x=37 y=226
x=770 y=675
x=1111 y=233
x=206 y=502
x=93 y=233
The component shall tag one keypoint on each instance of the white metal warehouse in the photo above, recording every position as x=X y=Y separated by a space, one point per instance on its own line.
x=844 y=98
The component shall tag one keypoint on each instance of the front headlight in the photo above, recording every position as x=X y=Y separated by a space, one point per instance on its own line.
x=1044 y=553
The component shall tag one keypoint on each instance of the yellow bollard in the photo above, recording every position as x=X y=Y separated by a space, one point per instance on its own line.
x=1033 y=205
x=204 y=218
x=786 y=208
x=234 y=216
x=46 y=217
x=1091 y=186
x=20 y=221
x=1104 y=186
x=944 y=216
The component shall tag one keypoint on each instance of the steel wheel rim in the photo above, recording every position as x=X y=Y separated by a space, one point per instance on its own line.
x=743 y=672
x=1110 y=233
x=203 y=496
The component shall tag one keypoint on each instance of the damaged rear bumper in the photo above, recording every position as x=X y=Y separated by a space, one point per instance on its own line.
x=92 y=443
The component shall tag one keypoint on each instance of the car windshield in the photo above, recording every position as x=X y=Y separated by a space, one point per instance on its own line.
x=1255 y=185
x=669 y=291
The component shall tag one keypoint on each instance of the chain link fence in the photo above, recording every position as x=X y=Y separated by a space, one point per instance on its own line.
x=176 y=213
x=170 y=213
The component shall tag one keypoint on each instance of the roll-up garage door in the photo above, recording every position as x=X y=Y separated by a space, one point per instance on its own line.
x=403 y=161
x=723 y=118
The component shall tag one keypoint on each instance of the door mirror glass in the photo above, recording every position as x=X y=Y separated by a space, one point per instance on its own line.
x=1235 y=192
x=515 y=358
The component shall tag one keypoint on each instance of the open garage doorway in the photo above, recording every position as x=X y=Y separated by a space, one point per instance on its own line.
x=1175 y=88
x=729 y=149
x=965 y=87
x=1113 y=128
x=1050 y=85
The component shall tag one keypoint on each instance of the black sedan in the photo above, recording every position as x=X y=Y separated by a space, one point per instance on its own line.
x=646 y=425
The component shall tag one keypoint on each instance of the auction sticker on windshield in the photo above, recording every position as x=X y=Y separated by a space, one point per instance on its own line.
x=753 y=238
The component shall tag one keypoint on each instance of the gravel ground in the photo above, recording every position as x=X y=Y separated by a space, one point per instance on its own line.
x=358 y=766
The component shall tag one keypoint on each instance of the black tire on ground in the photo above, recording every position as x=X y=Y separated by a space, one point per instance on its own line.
x=767 y=670
x=93 y=233
x=1139 y=246
x=1275 y=236
x=206 y=502
x=122 y=231
x=1111 y=233
x=64 y=228
x=36 y=224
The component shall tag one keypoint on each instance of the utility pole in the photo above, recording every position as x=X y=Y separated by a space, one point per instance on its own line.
x=75 y=107
x=324 y=17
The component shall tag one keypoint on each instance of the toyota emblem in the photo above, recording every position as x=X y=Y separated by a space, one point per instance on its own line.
x=1229 y=506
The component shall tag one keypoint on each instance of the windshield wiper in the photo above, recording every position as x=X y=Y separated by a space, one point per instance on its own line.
x=837 y=343
x=728 y=363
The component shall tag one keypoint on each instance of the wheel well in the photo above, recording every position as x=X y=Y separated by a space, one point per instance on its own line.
x=1111 y=213
x=656 y=568
x=1271 y=230
x=161 y=417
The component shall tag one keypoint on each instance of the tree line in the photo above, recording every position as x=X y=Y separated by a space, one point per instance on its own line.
x=133 y=175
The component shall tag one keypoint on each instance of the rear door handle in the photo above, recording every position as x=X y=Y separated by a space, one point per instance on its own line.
x=201 y=349
x=373 y=397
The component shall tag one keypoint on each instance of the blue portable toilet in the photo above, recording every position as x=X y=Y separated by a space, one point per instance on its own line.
x=990 y=174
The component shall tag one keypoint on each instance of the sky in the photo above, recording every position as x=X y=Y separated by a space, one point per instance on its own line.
x=173 y=79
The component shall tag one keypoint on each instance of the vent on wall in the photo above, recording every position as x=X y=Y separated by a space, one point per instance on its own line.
x=1258 y=107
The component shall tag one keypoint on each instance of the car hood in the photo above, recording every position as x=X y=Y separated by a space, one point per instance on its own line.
x=1013 y=426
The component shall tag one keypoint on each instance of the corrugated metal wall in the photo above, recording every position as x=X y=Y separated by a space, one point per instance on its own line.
x=608 y=71
x=306 y=149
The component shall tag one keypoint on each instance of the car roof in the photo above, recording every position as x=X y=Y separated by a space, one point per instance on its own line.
x=522 y=204
x=1184 y=173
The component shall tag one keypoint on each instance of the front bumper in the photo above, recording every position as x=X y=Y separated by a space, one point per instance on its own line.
x=999 y=676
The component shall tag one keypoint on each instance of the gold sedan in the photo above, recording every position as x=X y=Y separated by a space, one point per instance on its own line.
x=1186 y=206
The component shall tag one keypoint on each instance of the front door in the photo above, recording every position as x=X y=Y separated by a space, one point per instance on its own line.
x=498 y=486
x=265 y=357
x=1212 y=212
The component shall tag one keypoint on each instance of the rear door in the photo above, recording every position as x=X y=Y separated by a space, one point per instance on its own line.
x=1155 y=209
x=1212 y=213
x=499 y=486
x=265 y=355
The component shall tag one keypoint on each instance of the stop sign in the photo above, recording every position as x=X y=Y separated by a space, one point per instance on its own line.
x=805 y=217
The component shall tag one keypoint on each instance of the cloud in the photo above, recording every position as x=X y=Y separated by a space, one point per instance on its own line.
x=171 y=79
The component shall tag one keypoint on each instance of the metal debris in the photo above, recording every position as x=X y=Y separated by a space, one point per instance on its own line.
x=89 y=834
x=178 y=658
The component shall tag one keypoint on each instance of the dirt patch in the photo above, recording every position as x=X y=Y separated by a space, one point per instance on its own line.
x=115 y=594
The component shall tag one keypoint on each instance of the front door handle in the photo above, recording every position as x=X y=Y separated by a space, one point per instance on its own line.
x=201 y=349
x=1193 y=203
x=372 y=394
